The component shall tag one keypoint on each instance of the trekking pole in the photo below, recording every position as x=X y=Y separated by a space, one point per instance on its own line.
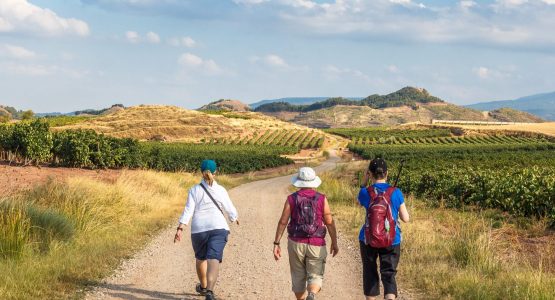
x=399 y=172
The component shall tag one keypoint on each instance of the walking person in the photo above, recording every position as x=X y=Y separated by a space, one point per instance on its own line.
x=380 y=236
x=306 y=214
x=206 y=204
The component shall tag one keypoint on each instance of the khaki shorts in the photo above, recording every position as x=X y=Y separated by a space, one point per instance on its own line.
x=307 y=265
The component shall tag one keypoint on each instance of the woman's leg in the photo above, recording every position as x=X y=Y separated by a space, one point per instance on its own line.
x=370 y=276
x=214 y=256
x=297 y=268
x=315 y=267
x=213 y=272
x=389 y=258
x=202 y=267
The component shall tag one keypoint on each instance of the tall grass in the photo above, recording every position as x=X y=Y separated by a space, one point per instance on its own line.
x=61 y=236
x=448 y=254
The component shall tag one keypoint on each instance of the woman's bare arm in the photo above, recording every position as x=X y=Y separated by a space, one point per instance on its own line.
x=282 y=224
x=330 y=224
x=403 y=213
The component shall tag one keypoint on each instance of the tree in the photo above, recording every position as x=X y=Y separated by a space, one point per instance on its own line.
x=27 y=115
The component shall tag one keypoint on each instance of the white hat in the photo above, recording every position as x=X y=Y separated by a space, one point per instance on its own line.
x=306 y=178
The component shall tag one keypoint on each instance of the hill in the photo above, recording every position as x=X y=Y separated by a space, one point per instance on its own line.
x=170 y=123
x=296 y=100
x=542 y=105
x=227 y=105
x=97 y=112
x=513 y=115
x=407 y=96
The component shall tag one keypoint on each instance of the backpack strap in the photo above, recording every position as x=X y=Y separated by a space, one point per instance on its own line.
x=212 y=198
x=389 y=192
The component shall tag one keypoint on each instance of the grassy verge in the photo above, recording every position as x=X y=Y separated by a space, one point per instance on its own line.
x=448 y=254
x=62 y=236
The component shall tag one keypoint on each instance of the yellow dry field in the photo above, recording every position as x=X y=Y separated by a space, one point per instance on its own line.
x=172 y=123
x=545 y=128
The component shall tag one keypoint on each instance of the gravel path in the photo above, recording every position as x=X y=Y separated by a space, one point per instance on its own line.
x=164 y=270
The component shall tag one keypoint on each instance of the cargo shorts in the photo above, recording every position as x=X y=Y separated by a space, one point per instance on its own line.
x=307 y=265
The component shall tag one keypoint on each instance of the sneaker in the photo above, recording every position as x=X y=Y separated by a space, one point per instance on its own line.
x=210 y=295
x=200 y=289
x=311 y=296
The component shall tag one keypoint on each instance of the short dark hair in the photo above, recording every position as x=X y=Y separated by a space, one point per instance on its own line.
x=378 y=168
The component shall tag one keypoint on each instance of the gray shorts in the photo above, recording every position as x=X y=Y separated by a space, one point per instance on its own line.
x=307 y=265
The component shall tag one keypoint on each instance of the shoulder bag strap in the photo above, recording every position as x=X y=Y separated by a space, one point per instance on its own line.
x=212 y=198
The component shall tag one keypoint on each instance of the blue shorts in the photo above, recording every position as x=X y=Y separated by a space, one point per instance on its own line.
x=209 y=244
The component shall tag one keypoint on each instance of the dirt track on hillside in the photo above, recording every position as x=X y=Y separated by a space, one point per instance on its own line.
x=164 y=270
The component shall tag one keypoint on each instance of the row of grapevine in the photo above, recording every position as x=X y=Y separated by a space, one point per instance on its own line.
x=302 y=139
x=379 y=132
x=494 y=139
x=34 y=142
x=513 y=174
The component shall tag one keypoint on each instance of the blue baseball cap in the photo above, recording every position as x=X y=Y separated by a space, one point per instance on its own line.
x=208 y=164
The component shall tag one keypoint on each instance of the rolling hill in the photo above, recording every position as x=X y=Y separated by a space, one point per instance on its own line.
x=542 y=105
x=226 y=105
x=171 y=123
x=406 y=105
x=296 y=100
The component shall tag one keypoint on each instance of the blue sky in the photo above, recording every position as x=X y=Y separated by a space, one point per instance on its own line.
x=64 y=55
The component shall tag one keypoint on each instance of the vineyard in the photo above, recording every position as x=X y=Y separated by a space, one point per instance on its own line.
x=515 y=174
x=34 y=143
x=302 y=139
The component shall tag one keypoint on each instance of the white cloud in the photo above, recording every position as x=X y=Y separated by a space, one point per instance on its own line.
x=332 y=72
x=491 y=73
x=153 y=37
x=38 y=70
x=132 y=37
x=183 y=41
x=194 y=63
x=550 y=2
x=17 y=52
x=22 y=16
x=393 y=69
x=249 y=2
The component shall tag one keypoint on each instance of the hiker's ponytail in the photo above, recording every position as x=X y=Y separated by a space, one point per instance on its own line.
x=208 y=177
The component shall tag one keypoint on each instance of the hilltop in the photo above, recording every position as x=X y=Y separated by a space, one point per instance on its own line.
x=406 y=105
x=171 y=123
x=226 y=105
x=542 y=105
x=296 y=100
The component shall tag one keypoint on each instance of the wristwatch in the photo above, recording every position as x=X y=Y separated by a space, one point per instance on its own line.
x=276 y=243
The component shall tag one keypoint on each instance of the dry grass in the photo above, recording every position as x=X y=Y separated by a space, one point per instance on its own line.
x=449 y=254
x=64 y=235
x=176 y=124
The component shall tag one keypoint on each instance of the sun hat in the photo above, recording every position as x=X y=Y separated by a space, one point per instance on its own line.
x=208 y=164
x=306 y=178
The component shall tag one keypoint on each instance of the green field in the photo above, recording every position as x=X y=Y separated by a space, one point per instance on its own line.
x=34 y=143
x=515 y=174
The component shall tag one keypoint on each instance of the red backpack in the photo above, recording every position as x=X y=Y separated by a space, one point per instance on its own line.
x=379 y=230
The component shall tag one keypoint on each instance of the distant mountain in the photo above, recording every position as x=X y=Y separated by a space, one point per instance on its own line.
x=296 y=100
x=406 y=105
x=542 y=105
x=227 y=105
x=407 y=96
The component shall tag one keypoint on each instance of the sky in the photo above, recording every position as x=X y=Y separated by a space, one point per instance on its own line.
x=66 y=55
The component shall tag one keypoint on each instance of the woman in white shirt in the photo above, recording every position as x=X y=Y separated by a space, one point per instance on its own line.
x=206 y=204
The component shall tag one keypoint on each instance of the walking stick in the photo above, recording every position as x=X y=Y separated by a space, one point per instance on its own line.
x=399 y=172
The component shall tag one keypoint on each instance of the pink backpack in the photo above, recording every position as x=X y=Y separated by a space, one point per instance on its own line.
x=379 y=230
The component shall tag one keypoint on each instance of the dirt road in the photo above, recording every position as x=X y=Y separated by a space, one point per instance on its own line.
x=164 y=270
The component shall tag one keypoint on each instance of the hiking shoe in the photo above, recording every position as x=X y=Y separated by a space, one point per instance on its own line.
x=200 y=289
x=311 y=296
x=210 y=295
